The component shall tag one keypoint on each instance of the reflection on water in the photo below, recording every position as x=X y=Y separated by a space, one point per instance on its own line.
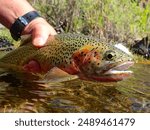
x=131 y=95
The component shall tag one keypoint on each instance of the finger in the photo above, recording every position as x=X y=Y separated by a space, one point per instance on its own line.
x=40 y=34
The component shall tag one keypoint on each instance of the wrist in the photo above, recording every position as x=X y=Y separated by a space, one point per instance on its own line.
x=12 y=9
x=30 y=27
x=21 y=22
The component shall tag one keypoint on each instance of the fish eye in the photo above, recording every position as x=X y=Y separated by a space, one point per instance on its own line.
x=109 y=55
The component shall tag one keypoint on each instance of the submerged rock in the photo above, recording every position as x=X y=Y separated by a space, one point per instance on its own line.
x=142 y=47
x=5 y=44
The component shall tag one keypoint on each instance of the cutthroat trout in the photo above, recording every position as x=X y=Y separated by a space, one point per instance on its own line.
x=76 y=54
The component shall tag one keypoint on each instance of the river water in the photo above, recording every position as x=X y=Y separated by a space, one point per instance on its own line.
x=130 y=95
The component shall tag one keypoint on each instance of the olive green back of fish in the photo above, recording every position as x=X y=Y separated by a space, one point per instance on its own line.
x=60 y=50
x=57 y=51
x=14 y=59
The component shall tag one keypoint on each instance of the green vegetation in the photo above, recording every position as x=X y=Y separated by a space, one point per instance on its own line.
x=117 y=20
x=5 y=33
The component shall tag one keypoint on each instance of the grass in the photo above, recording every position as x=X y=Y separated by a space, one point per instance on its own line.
x=5 y=33
x=122 y=20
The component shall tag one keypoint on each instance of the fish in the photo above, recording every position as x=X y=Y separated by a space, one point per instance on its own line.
x=85 y=56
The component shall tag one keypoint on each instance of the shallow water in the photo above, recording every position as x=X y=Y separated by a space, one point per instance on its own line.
x=130 y=95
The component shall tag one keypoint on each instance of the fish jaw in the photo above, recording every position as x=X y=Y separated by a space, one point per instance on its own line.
x=112 y=78
x=121 y=68
x=113 y=74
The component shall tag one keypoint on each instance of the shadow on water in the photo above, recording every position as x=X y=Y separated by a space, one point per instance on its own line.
x=131 y=95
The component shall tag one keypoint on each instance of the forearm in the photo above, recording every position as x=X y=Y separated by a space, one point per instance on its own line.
x=10 y=10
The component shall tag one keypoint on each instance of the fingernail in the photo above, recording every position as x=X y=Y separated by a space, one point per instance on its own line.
x=39 y=42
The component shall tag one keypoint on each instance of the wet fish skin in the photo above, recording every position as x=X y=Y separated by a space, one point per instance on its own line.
x=76 y=54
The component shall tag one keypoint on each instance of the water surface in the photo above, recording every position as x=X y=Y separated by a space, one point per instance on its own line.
x=130 y=95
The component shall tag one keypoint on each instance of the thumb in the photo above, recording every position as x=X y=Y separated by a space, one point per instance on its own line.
x=39 y=37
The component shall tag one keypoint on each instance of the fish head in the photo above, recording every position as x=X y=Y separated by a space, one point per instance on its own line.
x=104 y=63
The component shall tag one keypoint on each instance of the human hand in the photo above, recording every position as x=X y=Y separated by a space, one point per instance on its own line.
x=40 y=30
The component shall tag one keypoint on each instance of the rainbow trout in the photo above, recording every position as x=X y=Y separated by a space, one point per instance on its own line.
x=76 y=54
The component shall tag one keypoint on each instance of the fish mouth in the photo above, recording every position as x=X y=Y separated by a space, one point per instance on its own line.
x=120 y=69
x=117 y=73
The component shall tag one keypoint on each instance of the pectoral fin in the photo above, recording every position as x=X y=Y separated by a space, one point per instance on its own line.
x=56 y=75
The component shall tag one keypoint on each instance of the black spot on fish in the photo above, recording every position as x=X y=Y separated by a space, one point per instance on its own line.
x=76 y=57
x=92 y=49
x=66 y=61
x=75 y=45
x=95 y=53
x=82 y=52
x=78 y=60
